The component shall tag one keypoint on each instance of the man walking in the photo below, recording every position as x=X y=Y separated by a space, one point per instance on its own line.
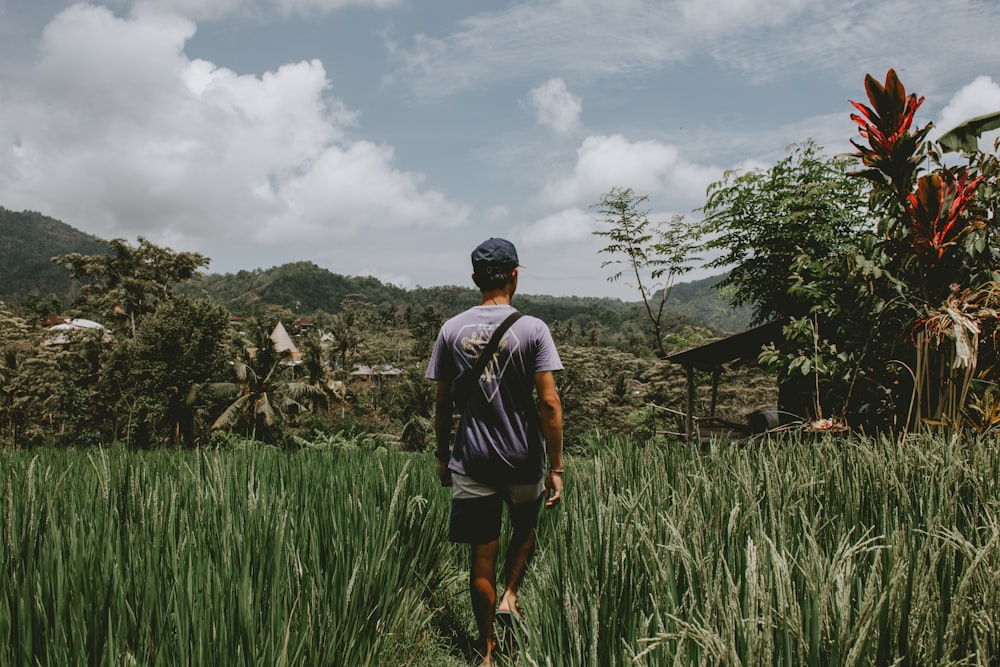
x=502 y=441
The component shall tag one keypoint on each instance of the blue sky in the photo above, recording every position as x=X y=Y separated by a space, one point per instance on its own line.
x=389 y=137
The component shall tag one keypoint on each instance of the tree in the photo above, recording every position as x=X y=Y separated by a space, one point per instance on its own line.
x=424 y=328
x=54 y=396
x=42 y=307
x=938 y=238
x=347 y=333
x=654 y=253
x=764 y=222
x=900 y=326
x=263 y=394
x=130 y=281
x=178 y=347
x=17 y=342
x=33 y=412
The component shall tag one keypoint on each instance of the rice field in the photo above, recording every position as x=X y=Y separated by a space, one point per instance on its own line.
x=828 y=552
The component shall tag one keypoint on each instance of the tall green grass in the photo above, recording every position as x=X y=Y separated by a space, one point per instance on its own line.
x=787 y=553
x=219 y=558
x=831 y=552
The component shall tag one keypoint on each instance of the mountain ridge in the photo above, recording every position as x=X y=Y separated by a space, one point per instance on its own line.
x=29 y=240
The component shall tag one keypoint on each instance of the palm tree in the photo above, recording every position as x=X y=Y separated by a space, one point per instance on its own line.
x=317 y=370
x=346 y=331
x=263 y=393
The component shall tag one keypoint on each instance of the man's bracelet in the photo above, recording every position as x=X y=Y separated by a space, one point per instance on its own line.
x=558 y=470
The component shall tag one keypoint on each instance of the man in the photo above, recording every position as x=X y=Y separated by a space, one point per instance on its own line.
x=498 y=455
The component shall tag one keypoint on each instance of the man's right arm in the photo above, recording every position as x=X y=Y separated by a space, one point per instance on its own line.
x=442 y=430
x=550 y=411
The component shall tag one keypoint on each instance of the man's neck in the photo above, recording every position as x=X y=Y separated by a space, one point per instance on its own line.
x=495 y=298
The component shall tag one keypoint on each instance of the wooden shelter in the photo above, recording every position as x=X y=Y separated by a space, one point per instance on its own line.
x=711 y=357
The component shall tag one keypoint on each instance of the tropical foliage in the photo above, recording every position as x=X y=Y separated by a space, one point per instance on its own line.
x=761 y=222
x=184 y=376
x=129 y=281
x=940 y=232
x=262 y=396
x=886 y=276
x=651 y=254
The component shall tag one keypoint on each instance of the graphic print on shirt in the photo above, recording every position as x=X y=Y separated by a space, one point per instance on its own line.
x=476 y=340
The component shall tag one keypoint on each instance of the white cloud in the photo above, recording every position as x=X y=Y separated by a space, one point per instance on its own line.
x=565 y=226
x=218 y=9
x=348 y=190
x=850 y=38
x=762 y=39
x=980 y=97
x=118 y=132
x=648 y=167
x=556 y=107
x=311 y=6
x=575 y=36
x=589 y=38
x=193 y=9
x=722 y=15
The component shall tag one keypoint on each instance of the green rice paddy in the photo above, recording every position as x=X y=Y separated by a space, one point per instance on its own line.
x=828 y=552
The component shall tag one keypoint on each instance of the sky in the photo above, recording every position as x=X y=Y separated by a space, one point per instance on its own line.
x=390 y=137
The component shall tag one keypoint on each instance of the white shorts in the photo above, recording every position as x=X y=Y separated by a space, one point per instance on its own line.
x=464 y=488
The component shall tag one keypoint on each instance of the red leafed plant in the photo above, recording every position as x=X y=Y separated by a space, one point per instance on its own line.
x=932 y=212
x=938 y=210
x=925 y=210
x=891 y=154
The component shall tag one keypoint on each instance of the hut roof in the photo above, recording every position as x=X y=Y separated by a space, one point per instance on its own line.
x=743 y=345
x=282 y=341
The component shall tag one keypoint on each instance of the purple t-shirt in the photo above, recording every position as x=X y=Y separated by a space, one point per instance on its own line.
x=499 y=436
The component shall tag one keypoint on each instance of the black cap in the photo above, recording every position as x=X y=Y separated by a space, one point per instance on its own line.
x=495 y=252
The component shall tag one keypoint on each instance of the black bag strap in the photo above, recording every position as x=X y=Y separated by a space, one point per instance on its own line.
x=484 y=356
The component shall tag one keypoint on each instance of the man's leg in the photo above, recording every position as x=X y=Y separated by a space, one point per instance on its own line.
x=476 y=516
x=519 y=552
x=483 y=589
x=524 y=508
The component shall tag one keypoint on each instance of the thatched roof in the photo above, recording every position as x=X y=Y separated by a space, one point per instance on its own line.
x=283 y=342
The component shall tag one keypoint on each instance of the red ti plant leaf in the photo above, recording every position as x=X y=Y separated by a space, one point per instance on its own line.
x=891 y=153
x=939 y=211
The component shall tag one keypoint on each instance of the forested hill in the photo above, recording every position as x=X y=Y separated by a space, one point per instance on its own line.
x=305 y=288
x=301 y=287
x=28 y=242
x=702 y=301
